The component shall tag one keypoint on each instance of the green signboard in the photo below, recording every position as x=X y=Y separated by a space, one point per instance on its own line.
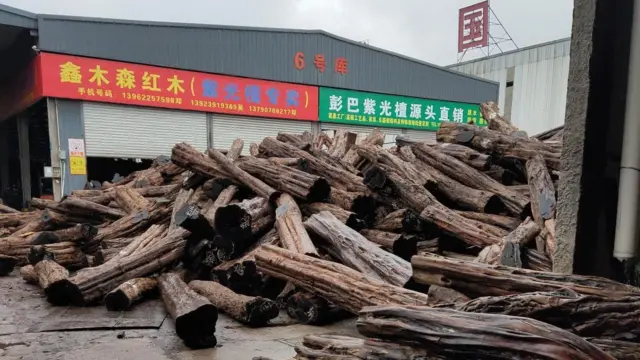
x=359 y=108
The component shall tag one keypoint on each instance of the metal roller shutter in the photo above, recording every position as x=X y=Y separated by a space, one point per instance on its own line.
x=421 y=135
x=363 y=131
x=137 y=132
x=227 y=128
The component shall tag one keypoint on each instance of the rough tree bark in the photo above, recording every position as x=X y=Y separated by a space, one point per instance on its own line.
x=492 y=142
x=543 y=199
x=376 y=137
x=291 y=230
x=355 y=251
x=342 y=141
x=456 y=334
x=253 y=311
x=348 y=218
x=129 y=292
x=343 y=286
x=402 y=245
x=53 y=280
x=194 y=316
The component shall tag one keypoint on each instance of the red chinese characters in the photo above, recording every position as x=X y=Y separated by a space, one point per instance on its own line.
x=90 y=79
x=473 y=26
x=319 y=61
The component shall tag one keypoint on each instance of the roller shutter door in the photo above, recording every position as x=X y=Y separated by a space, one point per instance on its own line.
x=421 y=135
x=363 y=131
x=137 y=132
x=227 y=128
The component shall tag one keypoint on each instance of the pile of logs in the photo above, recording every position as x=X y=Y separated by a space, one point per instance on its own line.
x=442 y=250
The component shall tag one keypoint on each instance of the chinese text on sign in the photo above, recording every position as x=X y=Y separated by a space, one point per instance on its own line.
x=358 y=108
x=110 y=81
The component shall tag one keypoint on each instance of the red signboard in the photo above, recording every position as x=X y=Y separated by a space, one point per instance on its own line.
x=473 y=26
x=91 y=79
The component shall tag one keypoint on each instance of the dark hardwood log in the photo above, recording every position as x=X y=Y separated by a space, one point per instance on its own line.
x=456 y=334
x=375 y=349
x=190 y=217
x=133 y=223
x=322 y=140
x=620 y=350
x=40 y=204
x=350 y=219
x=194 y=316
x=403 y=220
x=439 y=295
x=543 y=199
x=313 y=310
x=52 y=278
x=255 y=184
x=508 y=252
x=130 y=200
x=17 y=219
x=360 y=203
x=67 y=254
x=291 y=231
x=505 y=222
x=524 y=189
x=289 y=180
x=455 y=193
x=614 y=318
x=77 y=233
x=329 y=346
x=475 y=280
x=358 y=253
x=291 y=162
x=465 y=174
x=375 y=137
x=87 y=208
x=378 y=155
x=492 y=142
x=402 y=245
x=233 y=221
x=253 y=311
x=336 y=176
x=188 y=157
x=333 y=161
x=501 y=175
x=465 y=154
x=254 y=149
x=346 y=288
x=431 y=246
x=140 y=258
x=7 y=209
x=467 y=230
x=342 y=141
x=235 y=150
x=491 y=113
x=7 y=263
x=535 y=260
x=29 y=275
x=294 y=139
x=129 y=292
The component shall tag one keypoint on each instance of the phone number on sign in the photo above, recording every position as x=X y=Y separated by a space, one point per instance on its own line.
x=151 y=98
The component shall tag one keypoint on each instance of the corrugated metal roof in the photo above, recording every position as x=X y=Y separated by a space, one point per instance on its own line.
x=249 y=28
x=16 y=17
x=529 y=54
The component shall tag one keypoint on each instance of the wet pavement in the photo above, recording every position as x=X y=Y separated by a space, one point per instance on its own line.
x=32 y=329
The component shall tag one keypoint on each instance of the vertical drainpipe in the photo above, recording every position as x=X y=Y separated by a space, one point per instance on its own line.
x=626 y=241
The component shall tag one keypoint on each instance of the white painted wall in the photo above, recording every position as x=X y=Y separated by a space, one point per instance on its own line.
x=537 y=100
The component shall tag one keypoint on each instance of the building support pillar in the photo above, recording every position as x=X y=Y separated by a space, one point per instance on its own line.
x=25 y=159
x=596 y=99
x=4 y=159
x=54 y=143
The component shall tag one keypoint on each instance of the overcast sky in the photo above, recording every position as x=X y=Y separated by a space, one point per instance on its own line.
x=424 y=29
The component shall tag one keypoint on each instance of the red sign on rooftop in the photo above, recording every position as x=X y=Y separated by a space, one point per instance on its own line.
x=473 y=26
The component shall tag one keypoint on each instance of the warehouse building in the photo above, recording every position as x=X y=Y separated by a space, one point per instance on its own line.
x=84 y=98
x=533 y=83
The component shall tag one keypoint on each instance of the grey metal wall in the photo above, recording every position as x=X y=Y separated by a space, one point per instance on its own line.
x=263 y=54
x=70 y=125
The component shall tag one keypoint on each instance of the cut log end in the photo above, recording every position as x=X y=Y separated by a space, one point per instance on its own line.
x=7 y=264
x=319 y=191
x=233 y=222
x=495 y=205
x=197 y=325
x=259 y=311
x=117 y=301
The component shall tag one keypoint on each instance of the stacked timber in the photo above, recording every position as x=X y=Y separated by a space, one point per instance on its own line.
x=420 y=241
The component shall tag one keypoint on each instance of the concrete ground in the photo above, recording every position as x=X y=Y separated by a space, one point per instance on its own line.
x=32 y=329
